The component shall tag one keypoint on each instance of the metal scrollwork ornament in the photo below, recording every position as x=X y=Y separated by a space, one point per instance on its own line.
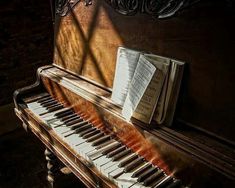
x=64 y=6
x=155 y=8
x=126 y=7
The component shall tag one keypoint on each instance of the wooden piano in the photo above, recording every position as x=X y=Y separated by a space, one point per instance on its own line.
x=70 y=111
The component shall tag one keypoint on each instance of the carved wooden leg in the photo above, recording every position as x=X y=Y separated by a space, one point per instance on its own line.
x=52 y=166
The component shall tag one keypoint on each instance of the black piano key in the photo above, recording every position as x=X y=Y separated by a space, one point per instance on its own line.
x=63 y=113
x=68 y=117
x=73 y=121
x=66 y=121
x=117 y=175
x=102 y=145
x=140 y=171
x=36 y=98
x=101 y=140
x=95 y=137
x=133 y=164
x=98 y=153
x=175 y=184
x=108 y=150
x=44 y=99
x=121 y=154
x=82 y=127
x=127 y=161
x=58 y=107
x=147 y=173
x=76 y=131
x=153 y=177
x=116 y=151
x=52 y=106
x=89 y=135
x=163 y=182
x=49 y=103
x=87 y=131
x=79 y=125
x=45 y=103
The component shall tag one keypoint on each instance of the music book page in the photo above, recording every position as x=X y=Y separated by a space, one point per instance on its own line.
x=146 y=107
x=146 y=85
x=143 y=74
x=125 y=67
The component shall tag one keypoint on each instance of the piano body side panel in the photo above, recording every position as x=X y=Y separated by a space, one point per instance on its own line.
x=168 y=156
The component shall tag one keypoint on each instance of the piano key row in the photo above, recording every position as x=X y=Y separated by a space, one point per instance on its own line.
x=111 y=157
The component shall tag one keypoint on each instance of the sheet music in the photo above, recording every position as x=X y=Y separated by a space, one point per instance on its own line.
x=125 y=67
x=141 y=79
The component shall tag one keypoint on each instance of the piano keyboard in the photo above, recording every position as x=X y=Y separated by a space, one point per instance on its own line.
x=111 y=157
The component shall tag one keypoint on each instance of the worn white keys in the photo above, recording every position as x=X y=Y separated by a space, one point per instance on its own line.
x=113 y=165
x=39 y=111
x=34 y=105
x=74 y=139
x=84 y=147
x=52 y=115
x=55 y=123
x=60 y=130
x=98 y=153
x=125 y=180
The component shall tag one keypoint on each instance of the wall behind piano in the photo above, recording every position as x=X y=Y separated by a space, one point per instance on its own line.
x=201 y=35
x=26 y=36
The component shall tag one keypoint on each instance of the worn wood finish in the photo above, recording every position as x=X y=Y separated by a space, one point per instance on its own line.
x=86 y=42
x=175 y=157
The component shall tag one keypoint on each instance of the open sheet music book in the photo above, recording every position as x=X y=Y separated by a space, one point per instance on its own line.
x=146 y=85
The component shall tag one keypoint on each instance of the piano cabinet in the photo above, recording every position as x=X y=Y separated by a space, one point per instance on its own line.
x=70 y=104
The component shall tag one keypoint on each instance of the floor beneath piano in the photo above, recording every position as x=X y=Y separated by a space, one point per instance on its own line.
x=23 y=165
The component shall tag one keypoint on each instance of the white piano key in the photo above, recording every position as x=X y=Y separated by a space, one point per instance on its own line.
x=114 y=173
x=93 y=155
x=34 y=105
x=163 y=181
x=40 y=110
x=107 y=168
x=68 y=133
x=74 y=139
x=52 y=115
x=84 y=149
x=138 y=185
x=126 y=179
x=111 y=165
x=101 y=161
x=55 y=123
x=60 y=130
x=84 y=146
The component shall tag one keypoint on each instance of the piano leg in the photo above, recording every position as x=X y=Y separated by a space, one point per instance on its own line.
x=52 y=167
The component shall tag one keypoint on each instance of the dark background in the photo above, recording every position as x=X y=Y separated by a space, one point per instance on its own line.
x=26 y=43
x=26 y=39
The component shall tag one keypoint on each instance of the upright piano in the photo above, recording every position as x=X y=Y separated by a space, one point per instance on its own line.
x=69 y=107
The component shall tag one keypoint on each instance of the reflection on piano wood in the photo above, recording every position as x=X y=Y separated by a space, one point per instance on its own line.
x=108 y=154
